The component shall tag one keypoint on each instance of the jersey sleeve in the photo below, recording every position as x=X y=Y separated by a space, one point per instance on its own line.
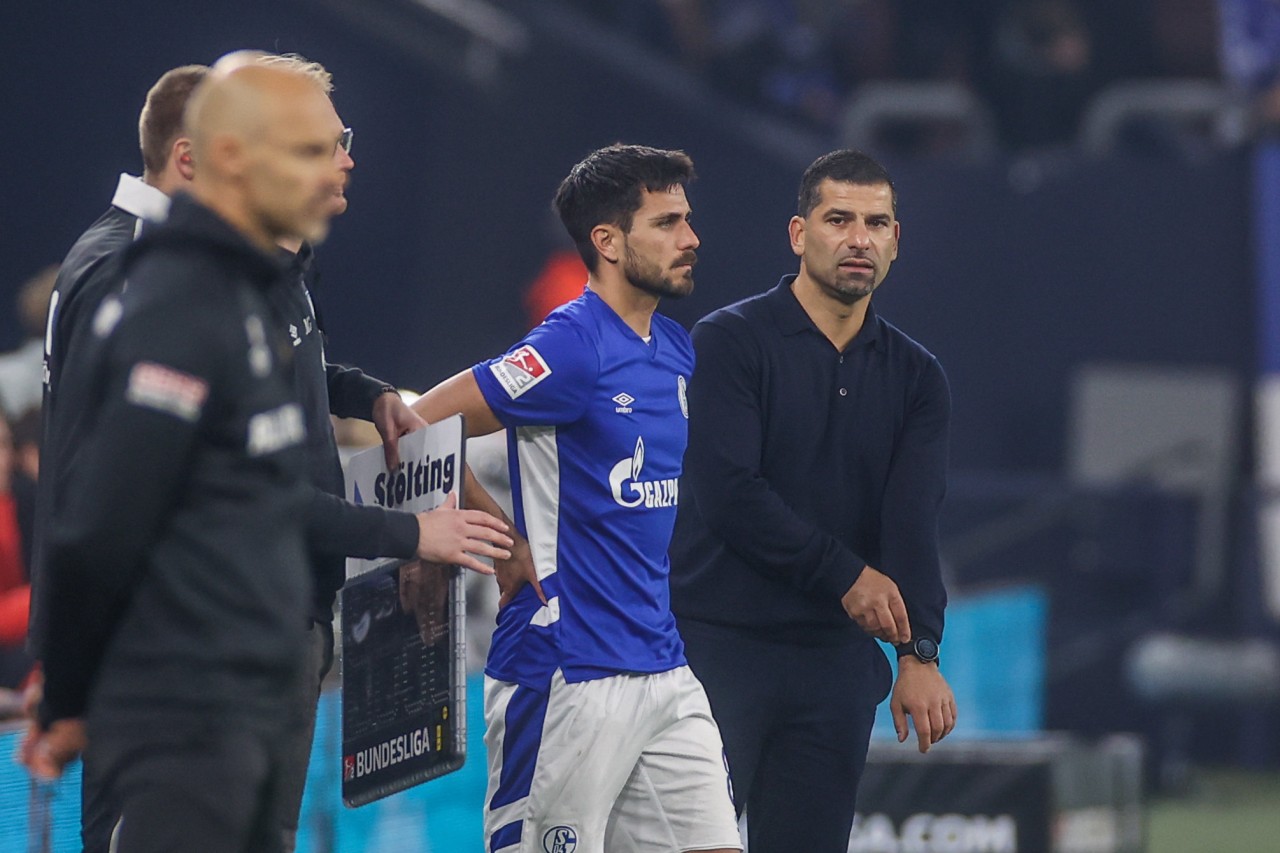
x=546 y=379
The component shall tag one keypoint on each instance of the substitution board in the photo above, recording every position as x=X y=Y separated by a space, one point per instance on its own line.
x=403 y=631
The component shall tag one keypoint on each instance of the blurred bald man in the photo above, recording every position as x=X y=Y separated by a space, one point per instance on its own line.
x=178 y=576
x=336 y=528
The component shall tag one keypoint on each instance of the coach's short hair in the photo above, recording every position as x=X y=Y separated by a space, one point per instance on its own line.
x=847 y=167
x=607 y=187
x=161 y=120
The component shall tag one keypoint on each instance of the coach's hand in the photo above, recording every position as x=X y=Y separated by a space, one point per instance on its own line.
x=923 y=695
x=514 y=573
x=457 y=537
x=393 y=419
x=875 y=603
x=45 y=752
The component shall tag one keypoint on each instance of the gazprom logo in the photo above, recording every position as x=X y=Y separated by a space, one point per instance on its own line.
x=630 y=490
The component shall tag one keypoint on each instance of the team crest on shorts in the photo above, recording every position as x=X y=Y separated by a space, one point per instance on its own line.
x=520 y=370
x=560 y=839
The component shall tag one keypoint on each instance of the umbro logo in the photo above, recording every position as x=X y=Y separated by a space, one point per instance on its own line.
x=624 y=401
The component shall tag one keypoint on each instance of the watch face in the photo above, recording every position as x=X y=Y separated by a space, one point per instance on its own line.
x=926 y=649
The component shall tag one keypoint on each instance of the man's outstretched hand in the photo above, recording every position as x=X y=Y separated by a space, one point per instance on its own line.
x=457 y=537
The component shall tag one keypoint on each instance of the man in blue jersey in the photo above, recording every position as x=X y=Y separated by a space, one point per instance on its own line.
x=599 y=736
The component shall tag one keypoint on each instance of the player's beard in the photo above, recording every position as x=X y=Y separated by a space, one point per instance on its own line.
x=649 y=277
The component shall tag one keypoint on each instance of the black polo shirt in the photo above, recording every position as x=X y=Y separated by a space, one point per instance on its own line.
x=804 y=465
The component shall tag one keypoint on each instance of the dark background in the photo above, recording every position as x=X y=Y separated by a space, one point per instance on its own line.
x=1015 y=270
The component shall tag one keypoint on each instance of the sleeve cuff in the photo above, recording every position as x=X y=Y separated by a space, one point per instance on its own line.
x=372 y=389
x=837 y=580
x=402 y=528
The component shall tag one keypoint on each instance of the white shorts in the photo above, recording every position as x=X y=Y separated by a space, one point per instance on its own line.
x=624 y=763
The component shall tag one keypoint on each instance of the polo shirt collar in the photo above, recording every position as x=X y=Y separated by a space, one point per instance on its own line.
x=138 y=198
x=792 y=319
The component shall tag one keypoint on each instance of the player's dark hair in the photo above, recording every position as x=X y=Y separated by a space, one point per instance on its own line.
x=161 y=120
x=607 y=188
x=847 y=167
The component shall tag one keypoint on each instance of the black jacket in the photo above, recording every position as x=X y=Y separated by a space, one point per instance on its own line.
x=88 y=275
x=177 y=575
x=336 y=529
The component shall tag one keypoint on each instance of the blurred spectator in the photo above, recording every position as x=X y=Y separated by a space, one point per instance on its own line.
x=16 y=501
x=1037 y=63
x=22 y=370
x=25 y=432
x=26 y=443
x=1043 y=73
x=1186 y=38
x=773 y=54
x=943 y=39
x=747 y=40
x=1251 y=57
x=1250 y=42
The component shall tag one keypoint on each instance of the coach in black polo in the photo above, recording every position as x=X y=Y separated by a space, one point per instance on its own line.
x=808 y=519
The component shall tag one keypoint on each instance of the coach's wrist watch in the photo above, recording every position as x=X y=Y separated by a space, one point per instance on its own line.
x=924 y=649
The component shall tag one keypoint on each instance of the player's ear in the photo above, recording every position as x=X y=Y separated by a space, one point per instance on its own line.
x=608 y=242
x=181 y=154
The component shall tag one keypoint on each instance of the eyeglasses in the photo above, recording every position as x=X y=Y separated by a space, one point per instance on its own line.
x=344 y=141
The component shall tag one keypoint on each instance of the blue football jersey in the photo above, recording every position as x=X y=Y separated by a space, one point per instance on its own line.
x=597 y=423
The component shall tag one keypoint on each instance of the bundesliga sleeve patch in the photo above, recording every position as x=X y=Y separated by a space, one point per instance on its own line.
x=520 y=370
x=155 y=386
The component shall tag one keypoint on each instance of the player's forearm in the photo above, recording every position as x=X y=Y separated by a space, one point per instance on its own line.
x=475 y=496
x=459 y=394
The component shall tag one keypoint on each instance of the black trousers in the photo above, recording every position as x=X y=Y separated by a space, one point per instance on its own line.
x=182 y=785
x=796 y=722
x=98 y=815
x=298 y=740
